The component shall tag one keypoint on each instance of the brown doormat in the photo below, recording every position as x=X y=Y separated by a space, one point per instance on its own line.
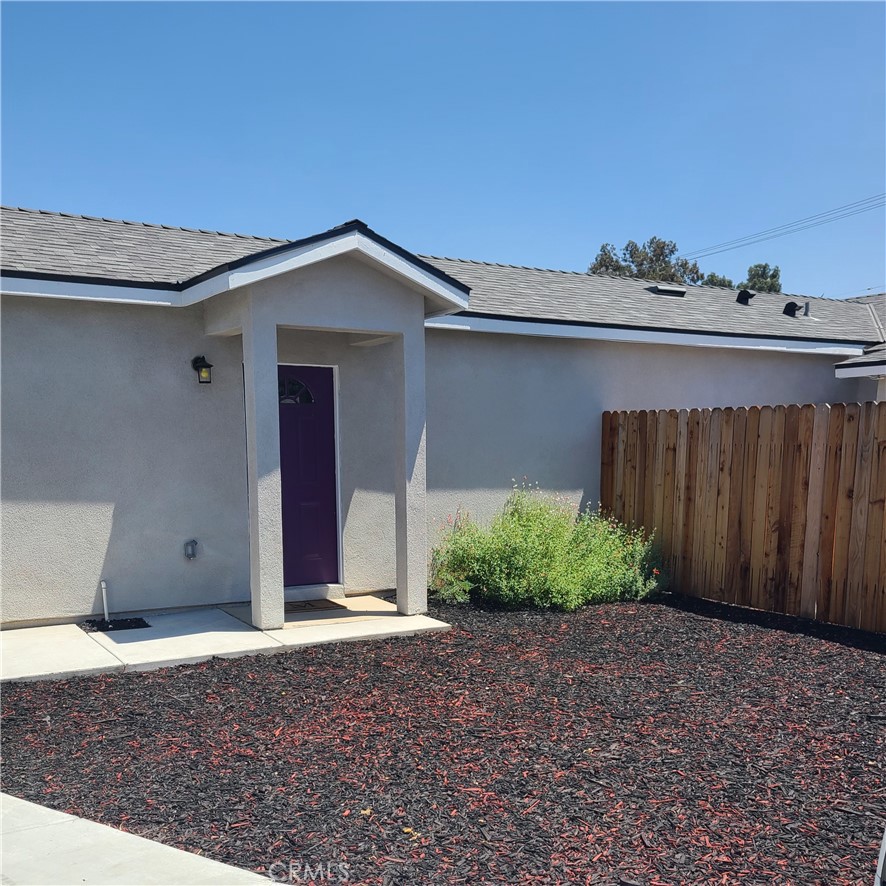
x=312 y=605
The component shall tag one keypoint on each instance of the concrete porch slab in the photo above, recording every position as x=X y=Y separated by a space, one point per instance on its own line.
x=42 y=847
x=185 y=637
x=308 y=633
x=174 y=638
x=53 y=652
x=343 y=609
x=366 y=617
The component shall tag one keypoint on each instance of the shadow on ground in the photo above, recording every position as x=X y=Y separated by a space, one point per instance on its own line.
x=851 y=637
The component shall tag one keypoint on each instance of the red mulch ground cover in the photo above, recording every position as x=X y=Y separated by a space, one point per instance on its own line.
x=623 y=744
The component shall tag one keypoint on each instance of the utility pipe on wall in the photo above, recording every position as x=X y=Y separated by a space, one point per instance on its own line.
x=104 y=585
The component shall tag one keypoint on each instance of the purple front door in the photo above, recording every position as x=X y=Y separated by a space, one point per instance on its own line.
x=307 y=475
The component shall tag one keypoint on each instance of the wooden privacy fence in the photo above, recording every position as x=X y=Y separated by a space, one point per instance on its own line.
x=775 y=507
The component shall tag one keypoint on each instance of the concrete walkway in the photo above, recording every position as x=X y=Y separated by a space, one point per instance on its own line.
x=42 y=847
x=173 y=638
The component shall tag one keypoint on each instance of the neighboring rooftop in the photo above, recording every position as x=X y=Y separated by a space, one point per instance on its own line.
x=60 y=245
x=874 y=356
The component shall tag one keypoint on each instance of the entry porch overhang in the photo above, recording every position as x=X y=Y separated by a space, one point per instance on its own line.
x=367 y=314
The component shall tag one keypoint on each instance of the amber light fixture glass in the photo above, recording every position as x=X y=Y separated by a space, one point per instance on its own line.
x=203 y=368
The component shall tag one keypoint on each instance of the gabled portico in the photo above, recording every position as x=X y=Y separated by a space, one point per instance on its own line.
x=358 y=309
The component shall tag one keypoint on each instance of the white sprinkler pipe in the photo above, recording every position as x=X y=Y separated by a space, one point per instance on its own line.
x=104 y=585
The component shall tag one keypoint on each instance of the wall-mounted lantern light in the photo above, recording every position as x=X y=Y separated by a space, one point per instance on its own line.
x=203 y=368
x=191 y=549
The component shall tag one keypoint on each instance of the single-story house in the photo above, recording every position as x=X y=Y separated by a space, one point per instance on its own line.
x=200 y=418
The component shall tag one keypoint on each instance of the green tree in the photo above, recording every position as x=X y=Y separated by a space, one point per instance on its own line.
x=762 y=278
x=718 y=280
x=656 y=259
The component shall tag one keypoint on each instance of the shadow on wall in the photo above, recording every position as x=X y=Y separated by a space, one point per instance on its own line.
x=114 y=456
x=145 y=566
x=503 y=406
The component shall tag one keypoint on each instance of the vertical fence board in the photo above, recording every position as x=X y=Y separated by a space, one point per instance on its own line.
x=799 y=496
x=779 y=508
x=747 y=499
x=721 y=514
x=875 y=542
x=731 y=566
x=642 y=511
x=654 y=472
x=833 y=454
x=809 y=581
x=618 y=489
x=785 y=480
x=843 y=517
x=666 y=533
x=702 y=499
x=710 y=520
x=607 y=484
x=861 y=487
x=679 y=493
x=693 y=430
x=769 y=597
x=761 y=488
x=630 y=489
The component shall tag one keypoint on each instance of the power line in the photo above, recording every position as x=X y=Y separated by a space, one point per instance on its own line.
x=857 y=203
x=812 y=221
x=792 y=231
x=851 y=208
x=879 y=287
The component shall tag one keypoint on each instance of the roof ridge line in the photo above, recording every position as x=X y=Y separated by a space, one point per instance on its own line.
x=121 y=221
x=495 y=264
x=877 y=323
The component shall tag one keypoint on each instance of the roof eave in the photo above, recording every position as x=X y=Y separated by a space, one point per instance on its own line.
x=443 y=293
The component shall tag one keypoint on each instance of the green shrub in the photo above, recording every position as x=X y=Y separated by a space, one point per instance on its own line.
x=539 y=552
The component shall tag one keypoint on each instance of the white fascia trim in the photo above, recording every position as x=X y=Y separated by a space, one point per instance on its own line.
x=279 y=263
x=454 y=297
x=448 y=297
x=860 y=371
x=101 y=292
x=301 y=256
x=641 y=336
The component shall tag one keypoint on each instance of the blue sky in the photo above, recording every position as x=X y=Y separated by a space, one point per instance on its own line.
x=519 y=133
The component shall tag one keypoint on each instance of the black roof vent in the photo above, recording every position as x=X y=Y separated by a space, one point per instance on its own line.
x=665 y=289
x=745 y=296
x=791 y=308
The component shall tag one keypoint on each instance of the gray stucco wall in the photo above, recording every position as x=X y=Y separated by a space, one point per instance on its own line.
x=867 y=389
x=114 y=456
x=506 y=406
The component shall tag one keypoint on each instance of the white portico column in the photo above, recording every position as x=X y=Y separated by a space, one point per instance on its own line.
x=410 y=478
x=263 y=470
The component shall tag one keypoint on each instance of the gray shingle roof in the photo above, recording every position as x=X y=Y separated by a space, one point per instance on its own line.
x=874 y=298
x=600 y=299
x=874 y=356
x=39 y=242
x=80 y=246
